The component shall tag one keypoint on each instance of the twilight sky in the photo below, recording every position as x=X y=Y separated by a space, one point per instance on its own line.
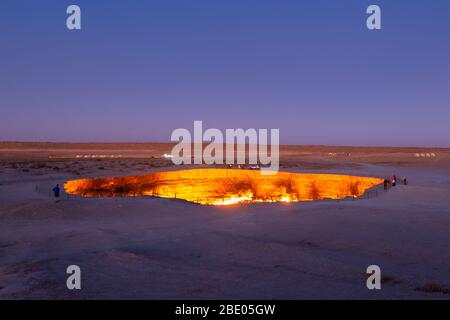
x=139 y=69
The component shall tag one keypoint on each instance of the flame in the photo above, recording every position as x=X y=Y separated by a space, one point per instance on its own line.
x=226 y=186
x=233 y=200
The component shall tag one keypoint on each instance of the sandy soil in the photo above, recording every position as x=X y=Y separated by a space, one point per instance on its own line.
x=169 y=249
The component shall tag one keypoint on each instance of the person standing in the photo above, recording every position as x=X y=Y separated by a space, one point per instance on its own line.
x=56 y=191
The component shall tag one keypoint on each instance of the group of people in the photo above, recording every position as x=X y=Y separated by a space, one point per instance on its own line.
x=392 y=182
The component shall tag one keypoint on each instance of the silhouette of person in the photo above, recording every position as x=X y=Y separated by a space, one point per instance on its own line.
x=56 y=191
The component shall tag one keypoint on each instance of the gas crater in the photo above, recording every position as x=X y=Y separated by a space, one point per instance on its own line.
x=226 y=186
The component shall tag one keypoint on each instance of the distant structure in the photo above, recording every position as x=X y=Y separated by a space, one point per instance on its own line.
x=425 y=155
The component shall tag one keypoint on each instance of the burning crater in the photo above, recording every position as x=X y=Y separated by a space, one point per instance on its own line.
x=226 y=186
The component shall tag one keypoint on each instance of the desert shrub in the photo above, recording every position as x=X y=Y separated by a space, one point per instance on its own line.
x=39 y=165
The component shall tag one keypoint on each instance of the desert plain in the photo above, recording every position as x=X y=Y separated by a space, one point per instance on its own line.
x=155 y=248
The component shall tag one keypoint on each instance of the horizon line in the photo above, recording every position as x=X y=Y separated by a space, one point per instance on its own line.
x=207 y=143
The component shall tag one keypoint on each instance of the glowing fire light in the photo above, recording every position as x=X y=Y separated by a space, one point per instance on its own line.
x=226 y=186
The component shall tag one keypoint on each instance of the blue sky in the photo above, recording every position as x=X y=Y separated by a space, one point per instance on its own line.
x=139 y=69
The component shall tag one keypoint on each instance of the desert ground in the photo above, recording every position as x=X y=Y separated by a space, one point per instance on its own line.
x=153 y=248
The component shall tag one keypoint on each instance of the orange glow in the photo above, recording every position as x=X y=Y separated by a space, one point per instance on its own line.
x=226 y=186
